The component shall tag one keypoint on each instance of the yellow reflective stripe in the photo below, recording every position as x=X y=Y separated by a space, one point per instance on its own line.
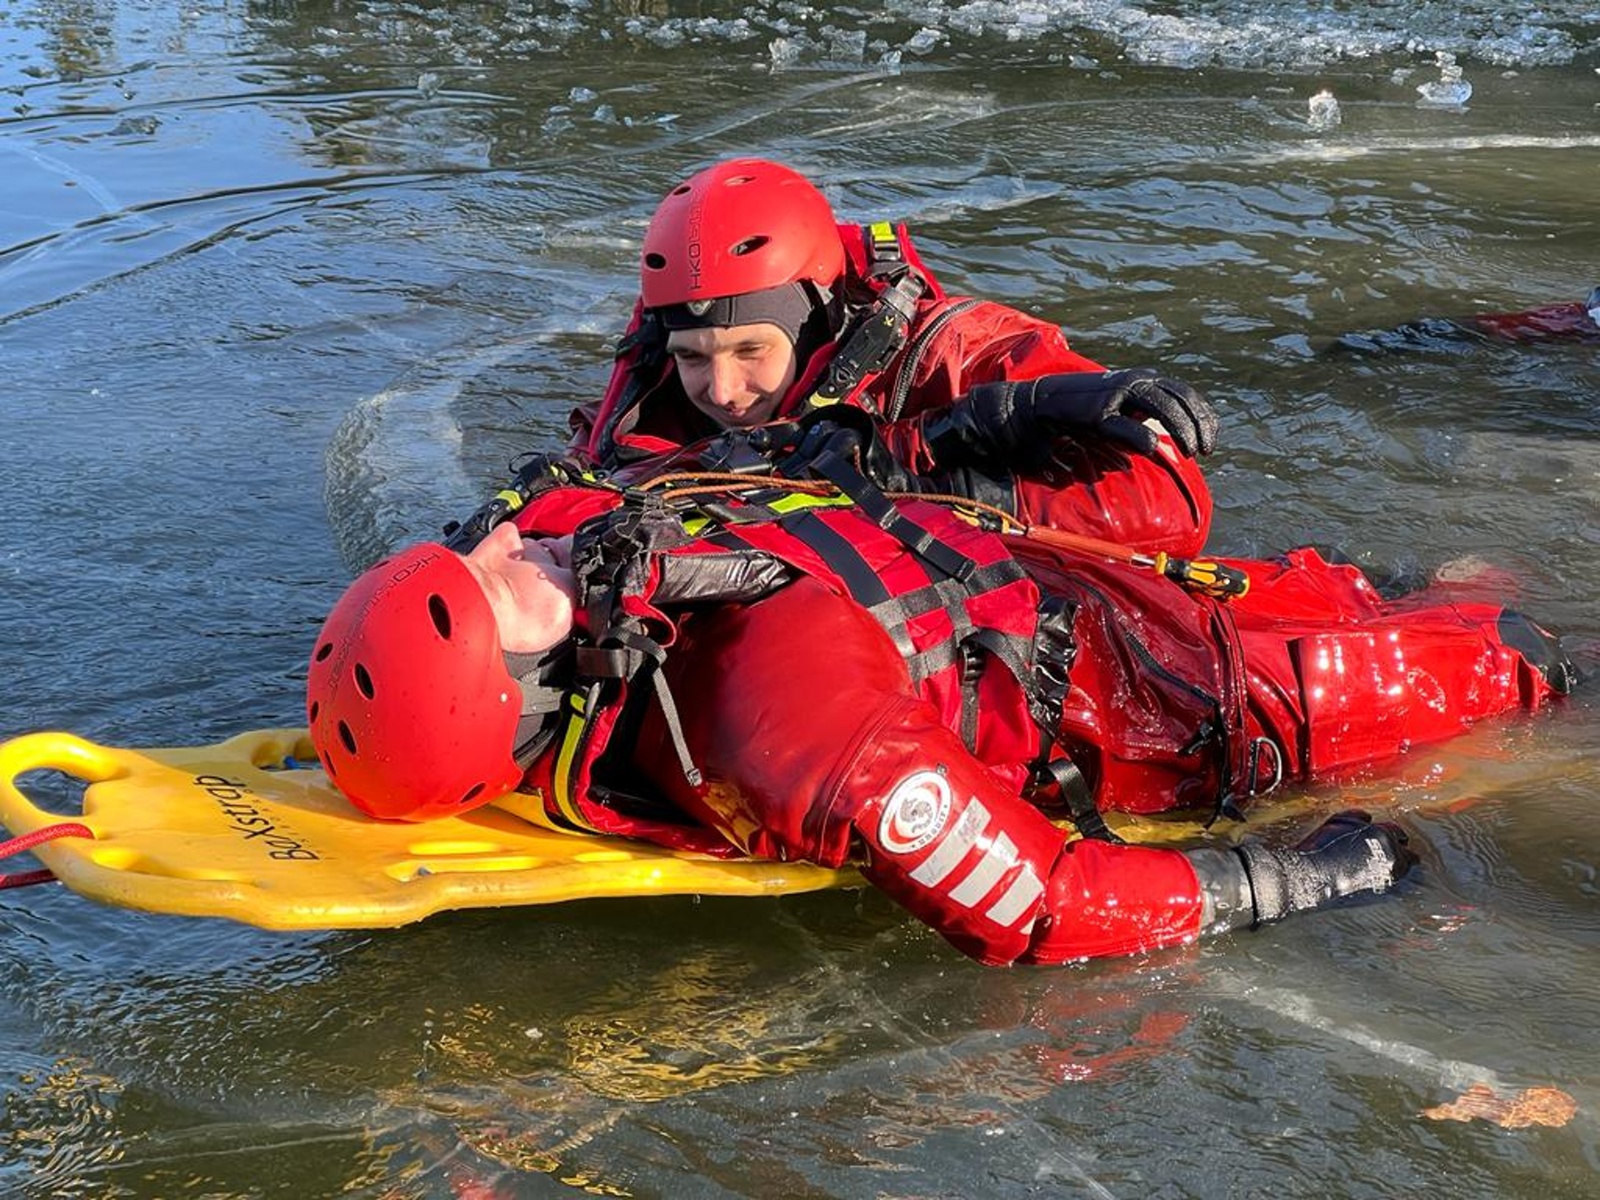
x=795 y=501
x=883 y=233
x=791 y=502
x=571 y=739
x=530 y=807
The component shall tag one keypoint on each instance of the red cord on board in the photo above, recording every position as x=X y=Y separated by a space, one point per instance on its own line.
x=28 y=841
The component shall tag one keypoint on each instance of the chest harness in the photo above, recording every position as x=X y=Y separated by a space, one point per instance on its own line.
x=949 y=595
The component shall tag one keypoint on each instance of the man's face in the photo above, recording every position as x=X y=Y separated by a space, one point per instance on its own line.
x=735 y=375
x=529 y=587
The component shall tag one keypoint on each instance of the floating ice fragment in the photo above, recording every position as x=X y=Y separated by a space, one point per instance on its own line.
x=428 y=84
x=582 y=95
x=1323 y=111
x=136 y=126
x=847 y=45
x=785 y=52
x=1445 y=95
x=1449 y=90
x=924 y=40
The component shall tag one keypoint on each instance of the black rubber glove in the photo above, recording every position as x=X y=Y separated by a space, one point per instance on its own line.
x=1251 y=884
x=846 y=433
x=1015 y=422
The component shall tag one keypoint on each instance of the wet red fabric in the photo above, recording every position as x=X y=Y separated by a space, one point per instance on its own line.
x=815 y=745
x=1552 y=322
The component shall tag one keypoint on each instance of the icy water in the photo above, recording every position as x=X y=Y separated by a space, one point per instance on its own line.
x=283 y=285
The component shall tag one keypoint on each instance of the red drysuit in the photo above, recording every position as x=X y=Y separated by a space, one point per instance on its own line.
x=835 y=695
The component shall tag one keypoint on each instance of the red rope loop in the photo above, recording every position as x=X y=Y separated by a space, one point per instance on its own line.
x=28 y=841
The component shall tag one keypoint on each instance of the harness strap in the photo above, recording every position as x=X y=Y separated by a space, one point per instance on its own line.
x=627 y=654
x=971 y=655
x=1063 y=774
x=895 y=613
x=954 y=579
x=1054 y=649
x=884 y=513
x=839 y=553
x=879 y=333
x=669 y=713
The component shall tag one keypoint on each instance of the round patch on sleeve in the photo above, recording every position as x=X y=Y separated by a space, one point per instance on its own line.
x=915 y=812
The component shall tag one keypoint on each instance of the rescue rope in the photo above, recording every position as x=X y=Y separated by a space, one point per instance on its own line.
x=1205 y=576
x=697 y=482
x=1210 y=578
x=28 y=841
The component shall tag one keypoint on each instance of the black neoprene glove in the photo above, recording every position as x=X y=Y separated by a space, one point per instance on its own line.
x=1015 y=422
x=841 y=432
x=1251 y=884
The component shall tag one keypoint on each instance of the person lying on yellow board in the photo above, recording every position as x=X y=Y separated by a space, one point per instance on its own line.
x=802 y=677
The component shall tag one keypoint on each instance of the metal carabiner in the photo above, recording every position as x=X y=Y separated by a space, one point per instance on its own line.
x=1257 y=745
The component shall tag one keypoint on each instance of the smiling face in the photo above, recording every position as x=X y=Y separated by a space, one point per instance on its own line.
x=529 y=586
x=737 y=375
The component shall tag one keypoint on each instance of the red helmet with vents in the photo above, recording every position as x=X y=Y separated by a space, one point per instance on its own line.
x=742 y=226
x=411 y=706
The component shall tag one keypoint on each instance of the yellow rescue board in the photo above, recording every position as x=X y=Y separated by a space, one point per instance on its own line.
x=241 y=830
x=218 y=831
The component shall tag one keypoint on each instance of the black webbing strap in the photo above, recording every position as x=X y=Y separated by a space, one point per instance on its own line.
x=879 y=333
x=1008 y=650
x=625 y=655
x=886 y=515
x=1073 y=788
x=860 y=580
x=971 y=672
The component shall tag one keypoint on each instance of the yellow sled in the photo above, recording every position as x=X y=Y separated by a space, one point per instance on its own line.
x=230 y=831
x=242 y=829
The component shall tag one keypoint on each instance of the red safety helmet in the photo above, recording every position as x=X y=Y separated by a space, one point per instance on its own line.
x=412 y=709
x=741 y=226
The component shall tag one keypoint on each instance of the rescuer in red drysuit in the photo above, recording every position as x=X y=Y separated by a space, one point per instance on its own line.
x=1550 y=322
x=803 y=677
x=1571 y=321
x=756 y=305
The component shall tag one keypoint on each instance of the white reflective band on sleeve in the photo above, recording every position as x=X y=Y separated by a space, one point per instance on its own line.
x=997 y=860
x=953 y=846
x=1018 y=899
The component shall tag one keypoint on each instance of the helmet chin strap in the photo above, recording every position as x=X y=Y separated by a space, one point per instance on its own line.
x=544 y=677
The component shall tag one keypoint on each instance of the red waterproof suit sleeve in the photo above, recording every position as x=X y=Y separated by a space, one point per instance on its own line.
x=1095 y=487
x=814 y=746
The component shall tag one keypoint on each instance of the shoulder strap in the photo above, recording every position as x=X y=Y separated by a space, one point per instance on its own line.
x=878 y=334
